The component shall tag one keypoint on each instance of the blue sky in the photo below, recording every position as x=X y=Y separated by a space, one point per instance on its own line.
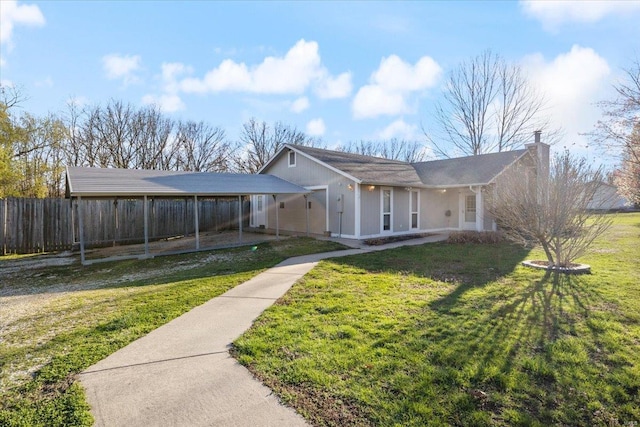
x=342 y=71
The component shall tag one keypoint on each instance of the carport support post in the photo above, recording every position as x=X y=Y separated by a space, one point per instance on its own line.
x=240 y=219
x=145 y=209
x=81 y=229
x=275 y=202
x=196 y=221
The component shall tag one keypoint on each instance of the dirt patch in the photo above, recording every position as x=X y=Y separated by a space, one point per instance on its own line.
x=28 y=284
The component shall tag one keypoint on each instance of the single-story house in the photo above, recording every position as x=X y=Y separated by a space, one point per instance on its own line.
x=607 y=198
x=359 y=197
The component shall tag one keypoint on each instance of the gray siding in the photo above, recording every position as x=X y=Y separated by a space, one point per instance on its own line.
x=400 y=210
x=433 y=207
x=370 y=212
x=308 y=173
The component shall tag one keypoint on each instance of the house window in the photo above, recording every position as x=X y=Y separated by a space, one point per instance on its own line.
x=281 y=205
x=414 y=209
x=386 y=210
x=259 y=200
x=292 y=159
x=470 y=208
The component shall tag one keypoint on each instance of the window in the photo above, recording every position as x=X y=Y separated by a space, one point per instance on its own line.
x=414 y=209
x=470 y=209
x=259 y=199
x=386 y=210
x=281 y=205
x=292 y=159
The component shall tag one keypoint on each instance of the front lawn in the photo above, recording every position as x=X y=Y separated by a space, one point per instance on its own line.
x=57 y=321
x=458 y=334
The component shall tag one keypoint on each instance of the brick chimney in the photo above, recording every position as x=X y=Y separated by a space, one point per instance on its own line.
x=540 y=151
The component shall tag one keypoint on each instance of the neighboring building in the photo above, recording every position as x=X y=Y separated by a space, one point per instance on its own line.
x=607 y=198
x=356 y=196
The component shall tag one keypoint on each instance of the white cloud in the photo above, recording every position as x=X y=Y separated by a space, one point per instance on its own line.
x=396 y=75
x=399 y=129
x=339 y=87
x=572 y=82
x=316 y=127
x=392 y=84
x=169 y=103
x=300 y=104
x=12 y=14
x=555 y=13
x=374 y=101
x=121 y=67
x=292 y=73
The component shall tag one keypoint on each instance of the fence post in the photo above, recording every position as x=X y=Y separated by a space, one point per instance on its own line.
x=5 y=213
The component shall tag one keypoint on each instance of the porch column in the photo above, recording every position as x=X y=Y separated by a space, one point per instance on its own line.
x=479 y=210
x=357 y=210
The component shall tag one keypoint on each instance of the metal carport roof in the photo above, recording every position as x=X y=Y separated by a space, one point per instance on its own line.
x=103 y=182
x=114 y=183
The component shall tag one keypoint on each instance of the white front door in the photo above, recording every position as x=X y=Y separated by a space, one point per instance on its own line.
x=468 y=212
x=386 y=207
x=258 y=211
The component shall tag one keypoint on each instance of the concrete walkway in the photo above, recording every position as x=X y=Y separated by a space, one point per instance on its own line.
x=181 y=374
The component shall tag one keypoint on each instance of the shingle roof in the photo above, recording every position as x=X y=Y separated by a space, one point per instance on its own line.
x=367 y=169
x=460 y=171
x=469 y=170
x=101 y=182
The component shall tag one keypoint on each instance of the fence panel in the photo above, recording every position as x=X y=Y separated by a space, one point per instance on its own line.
x=44 y=225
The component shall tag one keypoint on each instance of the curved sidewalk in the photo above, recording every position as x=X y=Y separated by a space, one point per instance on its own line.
x=181 y=374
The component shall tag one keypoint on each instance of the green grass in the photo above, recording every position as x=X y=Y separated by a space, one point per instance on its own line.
x=455 y=334
x=108 y=306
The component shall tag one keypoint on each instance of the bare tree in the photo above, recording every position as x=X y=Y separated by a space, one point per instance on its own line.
x=532 y=208
x=618 y=132
x=488 y=105
x=259 y=142
x=393 y=149
x=202 y=148
x=119 y=135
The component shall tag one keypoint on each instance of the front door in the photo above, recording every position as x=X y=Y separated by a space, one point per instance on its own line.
x=386 y=205
x=468 y=214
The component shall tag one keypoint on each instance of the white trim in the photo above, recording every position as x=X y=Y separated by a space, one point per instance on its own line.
x=275 y=156
x=289 y=159
x=382 y=213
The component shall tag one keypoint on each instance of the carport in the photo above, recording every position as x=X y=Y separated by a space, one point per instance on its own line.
x=110 y=183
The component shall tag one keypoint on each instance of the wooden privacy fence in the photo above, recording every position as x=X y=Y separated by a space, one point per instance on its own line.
x=44 y=225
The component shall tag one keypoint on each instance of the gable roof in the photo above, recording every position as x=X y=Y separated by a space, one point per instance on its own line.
x=366 y=169
x=108 y=182
x=470 y=170
x=461 y=171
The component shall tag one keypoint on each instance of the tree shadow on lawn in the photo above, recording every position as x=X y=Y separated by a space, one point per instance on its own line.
x=504 y=341
x=532 y=351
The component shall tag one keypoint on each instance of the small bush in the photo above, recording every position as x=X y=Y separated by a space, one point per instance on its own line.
x=483 y=237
